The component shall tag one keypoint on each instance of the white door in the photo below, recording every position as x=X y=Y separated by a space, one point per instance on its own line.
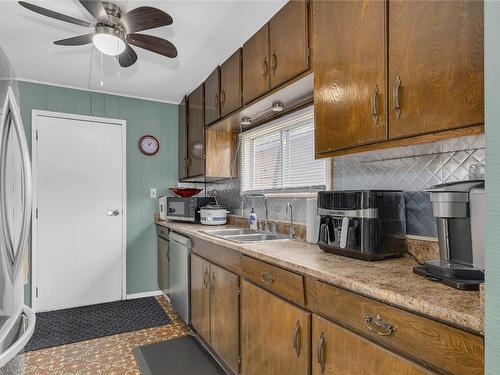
x=79 y=191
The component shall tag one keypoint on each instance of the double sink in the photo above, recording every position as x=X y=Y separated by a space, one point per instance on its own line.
x=242 y=235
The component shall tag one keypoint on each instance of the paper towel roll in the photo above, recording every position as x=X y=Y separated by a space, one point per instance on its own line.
x=312 y=220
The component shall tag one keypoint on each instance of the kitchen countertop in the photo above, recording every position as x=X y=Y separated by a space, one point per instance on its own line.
x=390 y=281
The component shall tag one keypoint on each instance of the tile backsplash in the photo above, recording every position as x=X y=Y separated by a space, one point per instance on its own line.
x=411 y=169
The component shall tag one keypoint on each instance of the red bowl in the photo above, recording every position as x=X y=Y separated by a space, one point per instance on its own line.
x=185 y=192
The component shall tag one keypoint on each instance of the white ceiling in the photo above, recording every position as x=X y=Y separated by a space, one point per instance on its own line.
x=204 y=32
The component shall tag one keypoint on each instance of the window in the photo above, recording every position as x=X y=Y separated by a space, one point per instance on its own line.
x=280 y=156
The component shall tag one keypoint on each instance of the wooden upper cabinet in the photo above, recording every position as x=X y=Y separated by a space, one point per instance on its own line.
x=275 y=336
x=337 y=351
x=349 y=80
x=200 y=296
x=288 y=42
x=230 y=84
x=183 y=163
x=224 y=316
x=256 y=65
x=196 y=133
x=212 y=97
x=436 y=59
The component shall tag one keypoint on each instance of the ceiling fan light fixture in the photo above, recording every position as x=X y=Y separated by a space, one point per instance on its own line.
x=109 y=40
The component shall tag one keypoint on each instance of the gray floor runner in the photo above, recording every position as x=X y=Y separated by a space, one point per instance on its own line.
x=181 y=356
x=66 y=326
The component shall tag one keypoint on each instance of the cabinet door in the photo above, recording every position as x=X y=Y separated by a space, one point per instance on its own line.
x=288 y=42
x=196 y=133
x=256 y=65
x=224 y=316
x=200 y=296
x=349 y=82
x=436 y=58
x=183 y=170
x=212 y=99
x=163 y=264
x=337 y=351
x=230 y=83
x=275 y=336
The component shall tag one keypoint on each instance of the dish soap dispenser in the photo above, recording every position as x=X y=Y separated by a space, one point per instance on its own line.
x=252 y=219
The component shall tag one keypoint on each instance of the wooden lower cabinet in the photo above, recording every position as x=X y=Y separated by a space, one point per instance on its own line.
x=275 y=335
x=200 y=296
x=224 y=316
x=337 y=351
x=215 y=309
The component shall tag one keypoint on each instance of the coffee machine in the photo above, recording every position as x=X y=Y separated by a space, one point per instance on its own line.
x=459 y=209
x=362 y=224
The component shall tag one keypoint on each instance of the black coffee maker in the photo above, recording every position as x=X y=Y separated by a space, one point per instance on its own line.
x=363 y=224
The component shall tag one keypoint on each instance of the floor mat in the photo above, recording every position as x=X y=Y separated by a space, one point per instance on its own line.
x=66 y=326
x=181 y=356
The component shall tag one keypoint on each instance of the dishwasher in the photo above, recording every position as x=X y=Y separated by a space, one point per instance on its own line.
x=180 y=275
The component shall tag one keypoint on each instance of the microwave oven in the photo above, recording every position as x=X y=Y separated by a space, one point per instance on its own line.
x=182 y=208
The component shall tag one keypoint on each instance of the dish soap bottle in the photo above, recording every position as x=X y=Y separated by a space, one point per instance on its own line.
x=252 y=219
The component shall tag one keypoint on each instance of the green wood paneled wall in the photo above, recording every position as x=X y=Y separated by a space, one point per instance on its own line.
x=492 y=106
x=143 y=173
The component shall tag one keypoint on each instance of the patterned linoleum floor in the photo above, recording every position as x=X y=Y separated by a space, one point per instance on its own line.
x=111 y=355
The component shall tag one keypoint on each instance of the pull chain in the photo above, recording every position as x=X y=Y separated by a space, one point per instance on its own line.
x=102 y=79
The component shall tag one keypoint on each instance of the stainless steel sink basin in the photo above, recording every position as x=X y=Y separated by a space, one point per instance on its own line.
x=242 y=235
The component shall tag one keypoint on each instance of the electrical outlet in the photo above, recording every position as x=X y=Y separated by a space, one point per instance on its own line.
x=152 y=193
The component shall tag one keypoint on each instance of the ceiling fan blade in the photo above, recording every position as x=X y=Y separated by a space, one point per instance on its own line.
x=96 y=9
x=52 y=14
x=127 y=57
x=145 y=18
x=153 y=44
x=76 y=40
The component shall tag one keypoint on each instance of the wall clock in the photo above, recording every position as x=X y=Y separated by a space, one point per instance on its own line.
x=149 y=145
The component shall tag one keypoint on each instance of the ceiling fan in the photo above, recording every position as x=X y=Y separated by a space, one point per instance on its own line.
x=114 y=32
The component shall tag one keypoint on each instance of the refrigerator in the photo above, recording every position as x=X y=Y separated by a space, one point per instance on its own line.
x=17 y=321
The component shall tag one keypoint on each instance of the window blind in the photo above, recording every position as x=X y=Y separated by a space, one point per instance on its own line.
x=280 y=156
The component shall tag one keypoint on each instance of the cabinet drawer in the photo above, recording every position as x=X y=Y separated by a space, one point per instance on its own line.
x=434 y=344
x=287 y=284
x=162 y=231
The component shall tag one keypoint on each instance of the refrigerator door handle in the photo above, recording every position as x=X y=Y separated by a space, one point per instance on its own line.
x=21 y=342
x=11 y=121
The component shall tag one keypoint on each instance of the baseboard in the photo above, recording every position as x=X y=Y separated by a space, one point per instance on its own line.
x=153 y=293
x=166 y=297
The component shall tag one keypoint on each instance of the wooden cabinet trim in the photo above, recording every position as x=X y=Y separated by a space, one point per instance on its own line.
x=219 y=255
x=287 y=284
x=407 y=141
x=431 y=343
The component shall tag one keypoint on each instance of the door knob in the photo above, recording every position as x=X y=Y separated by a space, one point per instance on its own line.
x=113 y=212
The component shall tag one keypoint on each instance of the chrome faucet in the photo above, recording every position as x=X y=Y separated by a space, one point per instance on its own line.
x=292 y=229
x=266 y=223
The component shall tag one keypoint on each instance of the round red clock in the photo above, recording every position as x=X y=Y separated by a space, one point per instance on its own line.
x=149 y=145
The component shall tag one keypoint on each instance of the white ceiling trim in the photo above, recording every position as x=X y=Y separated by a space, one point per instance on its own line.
x=95 y=90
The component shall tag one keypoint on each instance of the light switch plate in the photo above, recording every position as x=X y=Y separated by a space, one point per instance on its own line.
x=152 y=193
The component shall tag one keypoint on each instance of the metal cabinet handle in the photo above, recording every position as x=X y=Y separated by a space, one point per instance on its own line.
x=267 y=278
x=223 y=97
x=264 y=65
x=274 y=62
x=205 y=278
x=296 y=339
x=320 y=354
x=395 y=97
x=379 y=326
x=374 y=110
x=217 y=100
